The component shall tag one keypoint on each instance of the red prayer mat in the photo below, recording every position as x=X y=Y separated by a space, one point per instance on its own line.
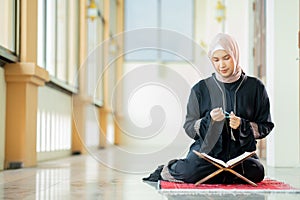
x=267 y=185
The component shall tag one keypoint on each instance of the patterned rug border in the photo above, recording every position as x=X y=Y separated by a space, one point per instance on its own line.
x=194 y=191
x=222 y=191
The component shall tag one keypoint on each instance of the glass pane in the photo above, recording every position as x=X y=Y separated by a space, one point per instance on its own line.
x=92 y=35
x=179 y=18
x=41 y=34
x=141 y=45
x=91 y=72
x=100 y=61
x=50 y=37
x=7 y=24
x=91 y=60
x=140 y=14
x=61 y=41
x=73 y=38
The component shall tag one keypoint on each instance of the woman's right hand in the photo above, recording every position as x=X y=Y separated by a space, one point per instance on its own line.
x=217 y=114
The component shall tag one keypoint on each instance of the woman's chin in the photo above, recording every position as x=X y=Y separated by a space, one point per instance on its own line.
x=224 y=75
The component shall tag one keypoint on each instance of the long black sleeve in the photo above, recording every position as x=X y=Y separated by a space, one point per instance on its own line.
x=261 y=124
x=192 y=116
x=197 y=122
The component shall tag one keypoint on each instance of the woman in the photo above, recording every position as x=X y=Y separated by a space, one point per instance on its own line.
x=226 y=113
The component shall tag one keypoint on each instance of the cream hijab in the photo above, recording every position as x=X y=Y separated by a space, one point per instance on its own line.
x=225 y=42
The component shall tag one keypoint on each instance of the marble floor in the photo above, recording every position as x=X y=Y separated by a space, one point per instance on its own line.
x=84 y=177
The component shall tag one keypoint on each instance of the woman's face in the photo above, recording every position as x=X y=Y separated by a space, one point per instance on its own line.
x=223 y=63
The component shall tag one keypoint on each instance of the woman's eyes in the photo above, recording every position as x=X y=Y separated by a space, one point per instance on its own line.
x=226 y=57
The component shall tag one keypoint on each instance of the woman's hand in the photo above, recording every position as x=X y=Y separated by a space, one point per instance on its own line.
x=217 y=114
x=234 y=121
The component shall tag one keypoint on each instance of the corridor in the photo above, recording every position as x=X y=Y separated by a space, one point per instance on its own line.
x=83 y=177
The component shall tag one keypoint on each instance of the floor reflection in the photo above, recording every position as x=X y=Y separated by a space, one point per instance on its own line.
x=83 y=177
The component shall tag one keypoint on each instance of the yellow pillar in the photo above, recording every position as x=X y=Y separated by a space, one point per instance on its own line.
x=22 y=80
x=28 y=36
x=104 y=111
x=119 y=71
x=79 y=102
x=78 y=125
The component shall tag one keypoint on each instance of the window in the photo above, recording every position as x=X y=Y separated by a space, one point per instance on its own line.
x=94 y=62
x=174 y=15
x=9 y=23
x=58 y=41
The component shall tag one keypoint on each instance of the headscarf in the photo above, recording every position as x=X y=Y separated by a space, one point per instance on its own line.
x=226 y=42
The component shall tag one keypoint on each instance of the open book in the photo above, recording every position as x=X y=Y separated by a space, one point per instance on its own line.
x=229 y=163
x=225 y=166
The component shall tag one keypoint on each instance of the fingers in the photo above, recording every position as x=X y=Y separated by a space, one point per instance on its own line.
x=234 y=121
x=217 y=114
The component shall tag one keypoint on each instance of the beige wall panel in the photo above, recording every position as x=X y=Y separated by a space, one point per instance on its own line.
x=2 y=117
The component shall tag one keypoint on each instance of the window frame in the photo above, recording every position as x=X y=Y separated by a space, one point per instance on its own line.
x=66 y=85
x=6 y=55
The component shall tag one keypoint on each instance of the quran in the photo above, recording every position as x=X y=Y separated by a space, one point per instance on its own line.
x=230 y=162
x=225 y=166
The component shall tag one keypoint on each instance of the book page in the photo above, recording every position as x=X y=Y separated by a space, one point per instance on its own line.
x=239 y=158
x=221 y=162
x=228 y=163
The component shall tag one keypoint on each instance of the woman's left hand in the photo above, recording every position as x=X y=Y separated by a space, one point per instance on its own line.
x=234 y=121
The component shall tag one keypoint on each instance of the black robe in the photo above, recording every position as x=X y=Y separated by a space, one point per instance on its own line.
x=248 y=99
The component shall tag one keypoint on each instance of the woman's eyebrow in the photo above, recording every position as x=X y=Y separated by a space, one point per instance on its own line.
x=215 y=57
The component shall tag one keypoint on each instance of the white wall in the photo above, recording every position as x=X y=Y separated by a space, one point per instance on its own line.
x=283 y=147
x=53 y=124
x=237 y=24
x=2 y=116
x=158 y=91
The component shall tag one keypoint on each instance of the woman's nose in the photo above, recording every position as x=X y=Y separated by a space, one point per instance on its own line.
x=222 y=64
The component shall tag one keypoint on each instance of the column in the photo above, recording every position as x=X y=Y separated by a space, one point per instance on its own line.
x=104 y=111
x=283 y=144
x=79 y=103
x=119 y=72
x=23 y=80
